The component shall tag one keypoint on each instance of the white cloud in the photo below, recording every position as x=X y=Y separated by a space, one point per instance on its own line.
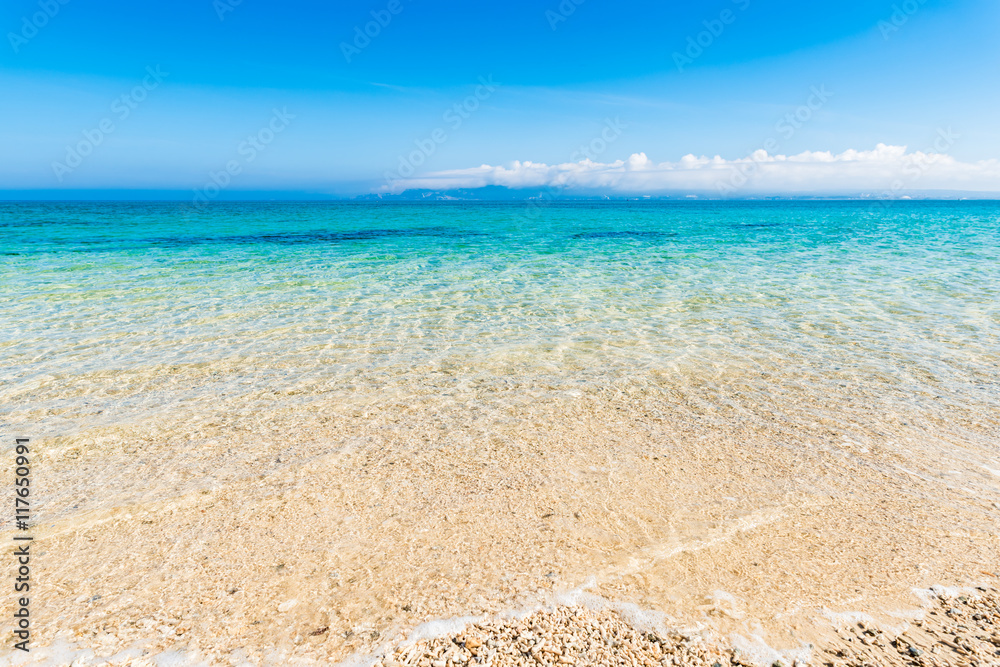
x=883 y=170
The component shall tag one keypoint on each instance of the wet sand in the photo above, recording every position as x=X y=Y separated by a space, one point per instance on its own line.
x=957 y=630
x=329 y=527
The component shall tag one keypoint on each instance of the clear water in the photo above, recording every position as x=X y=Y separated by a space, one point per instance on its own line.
x=742 y=302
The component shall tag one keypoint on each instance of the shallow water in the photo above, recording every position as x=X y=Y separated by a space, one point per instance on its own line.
x=819 y=297
x=603 y=388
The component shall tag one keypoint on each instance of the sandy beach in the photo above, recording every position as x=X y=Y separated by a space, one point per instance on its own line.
x=315 y=447
x=332 y=534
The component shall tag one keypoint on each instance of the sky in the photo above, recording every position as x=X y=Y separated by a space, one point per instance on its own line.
x=219 y=98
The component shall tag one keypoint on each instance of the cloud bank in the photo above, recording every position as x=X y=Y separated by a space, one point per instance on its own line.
x=883 y=171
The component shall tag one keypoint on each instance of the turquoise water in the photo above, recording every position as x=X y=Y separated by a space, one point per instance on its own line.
x=119 y=311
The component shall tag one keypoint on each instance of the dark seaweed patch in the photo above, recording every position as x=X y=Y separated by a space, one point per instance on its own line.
x=277 y=238
x=625 y=234
x=307 y=238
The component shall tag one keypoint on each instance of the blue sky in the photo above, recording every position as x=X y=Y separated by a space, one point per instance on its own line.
x=891 y=73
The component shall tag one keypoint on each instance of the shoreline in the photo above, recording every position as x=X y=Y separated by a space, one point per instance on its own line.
x=954 y=628
x=229 y=540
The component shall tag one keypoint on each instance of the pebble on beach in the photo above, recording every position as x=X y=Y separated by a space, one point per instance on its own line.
x=563 y=636
x=960 y=631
